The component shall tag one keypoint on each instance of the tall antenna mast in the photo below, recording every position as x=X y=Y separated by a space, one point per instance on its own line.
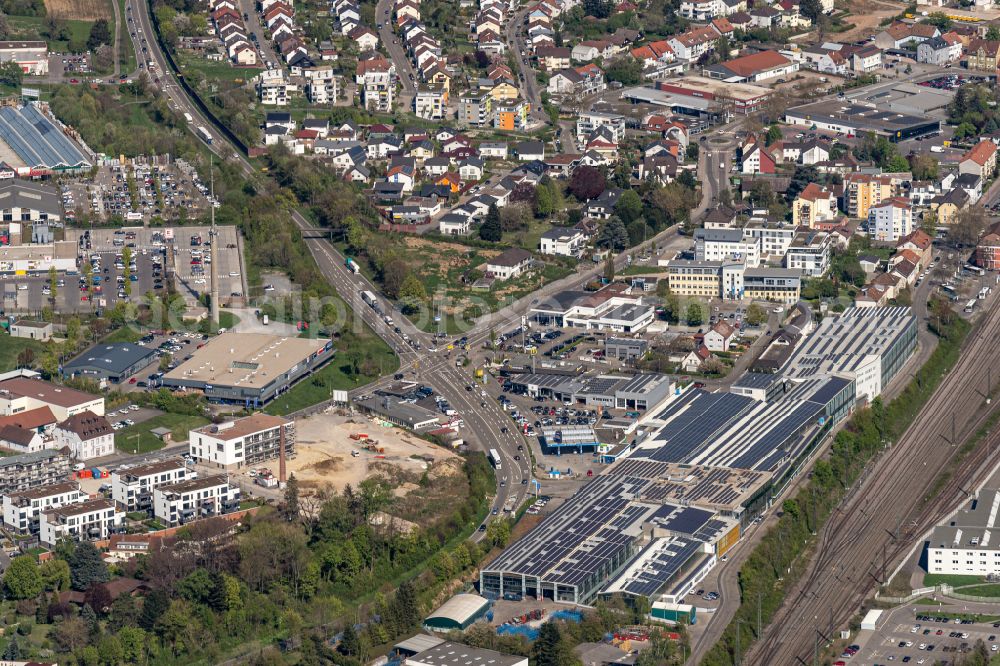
x=214 y=236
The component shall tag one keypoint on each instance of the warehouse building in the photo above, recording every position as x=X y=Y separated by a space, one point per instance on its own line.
x=115 y=363
x=737 y=432
x=458 y=613
x=635 y=393
x=249 y=369
x=969 y=544
x=855 y=119
x=36 y=145
x=31 y=57
x=456 y=654
x=36 y=259
x=399 y=412
x=867 y=345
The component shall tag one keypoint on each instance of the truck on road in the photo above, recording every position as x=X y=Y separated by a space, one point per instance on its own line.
x=352 y=266
x=204 y=135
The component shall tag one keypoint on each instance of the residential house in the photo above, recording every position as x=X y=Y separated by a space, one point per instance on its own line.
x=941 y=50
x=980 y=160
x=899 y=34
x=527 y=151
x=553 y=58
x=86 y=435
x=983 y=55
x=756 y=158
x=563 y=241
x=719 y=337
x=947 y=206
x=509 y=264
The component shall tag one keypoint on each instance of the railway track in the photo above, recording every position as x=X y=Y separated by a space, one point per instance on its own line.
x=875 y=524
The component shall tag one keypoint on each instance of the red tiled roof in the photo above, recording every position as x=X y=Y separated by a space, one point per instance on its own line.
x=981 y=152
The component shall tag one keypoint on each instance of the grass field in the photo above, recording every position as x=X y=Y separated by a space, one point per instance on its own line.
x=179 y=424
x=992 y=590
x=335 y=375
x=11 y=347
x=31 y=27
x=951 y=579
x=126 y=50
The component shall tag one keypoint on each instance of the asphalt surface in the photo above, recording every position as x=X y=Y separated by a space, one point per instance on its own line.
x=392 y=43
x=875 y=525
x=514 y=33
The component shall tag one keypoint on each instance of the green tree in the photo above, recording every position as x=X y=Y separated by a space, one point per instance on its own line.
x=100 y=33
x=993 y=33
x=22 y=578
x=412 y=290
x=609 y=268
x=773 y=134
x=755 y=315
x=550 y=648
x=55 y=574
x=53 y=283
x=11 y=74
x=545 y=201
x=923 y=166
x=498 y=532
x=629 y=206
x=86 y=566
x=694 y=315
x=613 y=235
x=627 y=71
x=491 y=229
x=290 y=507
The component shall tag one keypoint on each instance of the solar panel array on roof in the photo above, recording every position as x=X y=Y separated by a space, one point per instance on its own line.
x=37 y=141
x=580 y=536
x=654 y=566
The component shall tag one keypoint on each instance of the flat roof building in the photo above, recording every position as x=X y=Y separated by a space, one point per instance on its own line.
x=636 y=392
x=90 y=520
x=19 y=394
x=456 y=654
x=249 y=368
x=37 y=144
x=855 y=119
x=30 y=470
x=243 y=442
x=132 y=487
x=969 y=544
x=179 y=503
x=116 y=362
x=866 y=345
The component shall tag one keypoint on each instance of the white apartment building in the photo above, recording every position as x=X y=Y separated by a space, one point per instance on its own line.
x=180 y=503
x=87 y=436
x=91 y=520
x=21 y=510
x=775 y=237
x=429 y=103
x=809 y=253
x=587 y=122
x=244 y=442
x=322 y=90
x=726 y=245
x=890 y=220
x=968 y=544
x=132 y=488
x=20 y=392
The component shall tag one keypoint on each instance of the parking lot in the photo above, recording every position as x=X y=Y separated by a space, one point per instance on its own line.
x=190 y=251
x=924 y=634
x=160 y=191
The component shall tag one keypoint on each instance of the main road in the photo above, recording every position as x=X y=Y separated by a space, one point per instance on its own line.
x=397 y=54
x=895 y=502
x=485 y=424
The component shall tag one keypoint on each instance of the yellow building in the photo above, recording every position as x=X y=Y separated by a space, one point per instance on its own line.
x=694 y=278
x=814 y=204
x=862 y=191
x=512 y=115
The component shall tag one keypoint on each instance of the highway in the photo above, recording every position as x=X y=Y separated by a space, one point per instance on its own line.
x=886 y=511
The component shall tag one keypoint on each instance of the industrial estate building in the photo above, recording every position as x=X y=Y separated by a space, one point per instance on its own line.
x=115 y=363
x=458 y=613
x=856 y=119
x=37 y=145
x=969 y=543
x=249 y=368
x=697 y=469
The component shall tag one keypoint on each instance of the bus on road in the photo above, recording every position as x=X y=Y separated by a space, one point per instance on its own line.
x=495 y=458
x=970 y=306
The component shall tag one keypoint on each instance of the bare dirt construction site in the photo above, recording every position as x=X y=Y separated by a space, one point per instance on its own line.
x=81 y=10
x=867 y=15
x=323 y=457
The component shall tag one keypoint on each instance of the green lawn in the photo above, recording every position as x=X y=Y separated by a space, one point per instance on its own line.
x=530 y=238
x=337 y=374
x=31 y=27
x=216 y=71
x=11 y=347
x=126 y=55
x=123 y=334
x=954 y=580
x=179 y=425
x=992 y=590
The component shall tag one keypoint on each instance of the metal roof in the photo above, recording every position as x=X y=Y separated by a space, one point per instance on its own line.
x=37 y=140
x=460 y=608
